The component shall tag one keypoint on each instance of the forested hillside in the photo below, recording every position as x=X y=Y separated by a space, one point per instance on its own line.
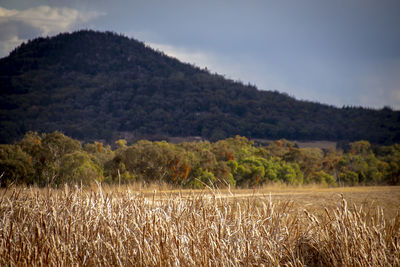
x=103 y=86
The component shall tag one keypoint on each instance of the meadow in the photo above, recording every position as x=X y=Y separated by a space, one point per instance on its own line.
x=134 y=226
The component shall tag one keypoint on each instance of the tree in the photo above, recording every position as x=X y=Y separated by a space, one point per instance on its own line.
x=121 y=143
x=46 y=152
x=290 y=173
x=15 y=166
x=202 y=178
x=78 y=168
x=322 y=178
x=102 y=153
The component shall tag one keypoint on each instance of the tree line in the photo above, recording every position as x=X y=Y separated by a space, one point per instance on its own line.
x=55 y=159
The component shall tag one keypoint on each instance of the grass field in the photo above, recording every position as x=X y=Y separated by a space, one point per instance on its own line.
x=271 y=226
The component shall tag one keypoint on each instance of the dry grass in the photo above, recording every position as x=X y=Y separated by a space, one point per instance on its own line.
x=124 y=228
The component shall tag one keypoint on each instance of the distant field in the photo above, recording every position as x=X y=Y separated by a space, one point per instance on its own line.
x=312 y=198
x=132 y=226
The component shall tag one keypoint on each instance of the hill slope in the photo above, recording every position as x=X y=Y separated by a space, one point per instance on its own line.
x=94 y=85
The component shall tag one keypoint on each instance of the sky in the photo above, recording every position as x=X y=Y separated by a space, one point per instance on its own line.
x=336 y=52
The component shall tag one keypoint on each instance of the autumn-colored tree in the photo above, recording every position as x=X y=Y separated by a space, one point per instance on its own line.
x=54 y=159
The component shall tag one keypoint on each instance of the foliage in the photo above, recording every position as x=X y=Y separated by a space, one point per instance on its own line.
x=361 y=166
x=390 y=162
x=78 y=167
x=323 y=178
x=15 y=166
x=55 y=159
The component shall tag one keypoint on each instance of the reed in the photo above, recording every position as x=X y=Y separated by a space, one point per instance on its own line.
x=74 y=226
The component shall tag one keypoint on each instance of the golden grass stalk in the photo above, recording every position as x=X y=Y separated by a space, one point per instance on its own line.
x=123 y=228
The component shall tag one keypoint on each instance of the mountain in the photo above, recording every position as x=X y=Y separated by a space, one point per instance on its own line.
x=101 y=85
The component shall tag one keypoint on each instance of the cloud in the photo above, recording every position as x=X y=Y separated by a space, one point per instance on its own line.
x=372 y=88
x=238 y=68
x=229 y=67
x=17 y=26
x=200 y=59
